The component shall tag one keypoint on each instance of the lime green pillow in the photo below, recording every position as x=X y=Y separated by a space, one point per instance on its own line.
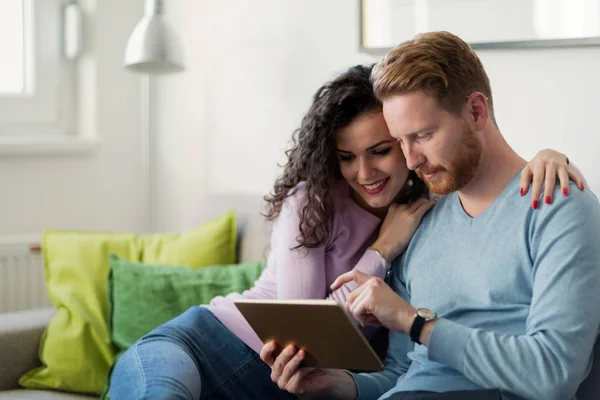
x=76 y=350
x=217 y=238
x=143 y=296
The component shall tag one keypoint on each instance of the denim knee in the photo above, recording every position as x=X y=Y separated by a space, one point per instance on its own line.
x=127 y=379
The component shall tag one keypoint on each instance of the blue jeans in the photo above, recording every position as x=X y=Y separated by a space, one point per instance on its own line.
x=193 y=357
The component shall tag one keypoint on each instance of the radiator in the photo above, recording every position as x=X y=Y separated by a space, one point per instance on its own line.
x=22 y=284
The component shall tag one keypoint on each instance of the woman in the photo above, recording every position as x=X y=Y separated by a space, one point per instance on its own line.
x=345 y=175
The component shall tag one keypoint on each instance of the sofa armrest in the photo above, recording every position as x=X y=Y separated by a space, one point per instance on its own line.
x=20 y=334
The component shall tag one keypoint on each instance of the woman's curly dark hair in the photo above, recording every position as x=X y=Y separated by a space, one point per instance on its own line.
x=312 y=158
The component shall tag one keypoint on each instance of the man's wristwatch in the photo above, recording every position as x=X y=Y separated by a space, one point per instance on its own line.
x=423 y=315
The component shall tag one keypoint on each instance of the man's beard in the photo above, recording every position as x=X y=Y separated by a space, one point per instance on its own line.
x=462 y=167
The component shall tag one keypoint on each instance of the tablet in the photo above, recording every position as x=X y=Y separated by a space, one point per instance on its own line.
x=322 y=328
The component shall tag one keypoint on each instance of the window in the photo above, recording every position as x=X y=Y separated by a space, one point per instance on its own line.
x=12 y=52
x=37 y=83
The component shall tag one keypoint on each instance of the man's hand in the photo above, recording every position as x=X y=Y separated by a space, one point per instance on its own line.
x=375 y=303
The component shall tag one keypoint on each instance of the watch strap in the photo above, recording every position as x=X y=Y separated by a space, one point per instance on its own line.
x=416 y=328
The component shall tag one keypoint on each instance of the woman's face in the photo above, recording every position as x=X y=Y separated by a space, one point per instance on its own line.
x=371 y=160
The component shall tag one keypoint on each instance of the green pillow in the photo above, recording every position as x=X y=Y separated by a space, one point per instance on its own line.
x=144 y=296
x=76 y=350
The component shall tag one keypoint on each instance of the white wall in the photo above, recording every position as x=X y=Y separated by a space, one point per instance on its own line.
x=549 y=98
x=253 y=65
x=100 y=191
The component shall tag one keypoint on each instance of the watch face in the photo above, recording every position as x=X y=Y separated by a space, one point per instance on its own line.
x=428 y=315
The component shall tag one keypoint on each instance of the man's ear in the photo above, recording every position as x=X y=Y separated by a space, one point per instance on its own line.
x=477 y=108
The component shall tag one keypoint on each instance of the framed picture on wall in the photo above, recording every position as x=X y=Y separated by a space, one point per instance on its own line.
x=482 y=23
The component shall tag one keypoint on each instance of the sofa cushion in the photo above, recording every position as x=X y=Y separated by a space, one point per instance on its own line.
x=76 y=350
x=213 y=242
x=41 y=395
x=143 y=296
x=20 y=334
x=254 y=242
x=253 y=235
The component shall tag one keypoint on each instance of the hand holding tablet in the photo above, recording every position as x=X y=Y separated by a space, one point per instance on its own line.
x=322 y=328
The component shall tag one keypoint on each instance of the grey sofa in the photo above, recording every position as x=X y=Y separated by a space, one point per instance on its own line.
x=20 y=332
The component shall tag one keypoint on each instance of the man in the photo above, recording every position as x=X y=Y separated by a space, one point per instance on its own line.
x=509 y=295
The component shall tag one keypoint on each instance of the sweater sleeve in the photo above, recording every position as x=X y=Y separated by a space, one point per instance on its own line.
x=553 y=357
x=371 y=263
x=373 y=385
x=301 y=272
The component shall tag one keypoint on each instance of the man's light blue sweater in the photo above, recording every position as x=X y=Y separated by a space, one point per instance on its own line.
x=517 y=291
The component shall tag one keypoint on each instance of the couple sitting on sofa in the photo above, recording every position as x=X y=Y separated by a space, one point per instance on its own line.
x=489 y=295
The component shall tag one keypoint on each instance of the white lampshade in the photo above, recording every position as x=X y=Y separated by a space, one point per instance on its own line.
x=152 y=47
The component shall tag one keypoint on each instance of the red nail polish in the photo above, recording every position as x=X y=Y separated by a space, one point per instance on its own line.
x=581 y=186
x=522 y=191
x=535 y=204
x=548 y=199
x=565 y=191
